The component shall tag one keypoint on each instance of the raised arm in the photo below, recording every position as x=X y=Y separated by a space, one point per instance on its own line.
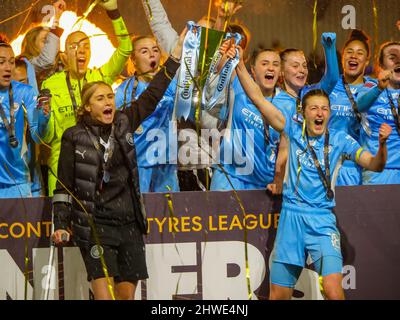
x=366 y=100
x=377 y=162
x=274 y=117
x=160 y=25
x=47 y=57
x=280 y=167
x=225 y=12
x=48 y=133
x=37 y=117
x=116 y=64
x=331 y=75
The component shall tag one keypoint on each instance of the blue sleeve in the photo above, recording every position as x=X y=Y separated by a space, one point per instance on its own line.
x=331 y=76
x=170 y=93
x=122 y=93
x=160 y=24
x=36 y=119
x=366 y=100
x=309 y=87
x=30 y=72
x=43 y=121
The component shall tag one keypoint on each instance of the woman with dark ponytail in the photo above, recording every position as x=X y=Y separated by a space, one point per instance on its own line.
x=345 y=113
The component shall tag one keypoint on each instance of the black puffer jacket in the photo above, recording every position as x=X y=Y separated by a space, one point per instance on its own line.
x=119 y=201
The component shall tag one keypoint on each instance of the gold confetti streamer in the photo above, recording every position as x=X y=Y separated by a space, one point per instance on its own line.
x=20 y=13
x=315 y=14
x=376 y=28
x=150 y=11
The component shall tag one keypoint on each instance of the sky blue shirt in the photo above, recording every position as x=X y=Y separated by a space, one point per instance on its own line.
x=288 y=104
x=342 y=114
x=248 y=136
x=311 y=192
x=380 y=112
x=16 y=159
x=247 y=140
x=159 y=119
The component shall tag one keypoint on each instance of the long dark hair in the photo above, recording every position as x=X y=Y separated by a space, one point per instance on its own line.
x=359 y=35
x=135 y=39
x=258 y=51
x=29 y=48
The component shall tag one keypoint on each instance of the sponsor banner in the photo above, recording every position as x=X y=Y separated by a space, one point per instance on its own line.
x=197 y=249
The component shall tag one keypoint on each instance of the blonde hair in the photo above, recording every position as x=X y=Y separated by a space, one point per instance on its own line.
x=87 y=92
x=135 y=39
x=29 y=48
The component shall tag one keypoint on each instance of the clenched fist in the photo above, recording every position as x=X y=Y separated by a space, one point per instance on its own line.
x=383 y=78
x=109 y=5
x=228 y=8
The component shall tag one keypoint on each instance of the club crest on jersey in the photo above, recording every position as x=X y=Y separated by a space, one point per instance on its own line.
x=15 y=107
x=139 y=130
x=369 y=85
